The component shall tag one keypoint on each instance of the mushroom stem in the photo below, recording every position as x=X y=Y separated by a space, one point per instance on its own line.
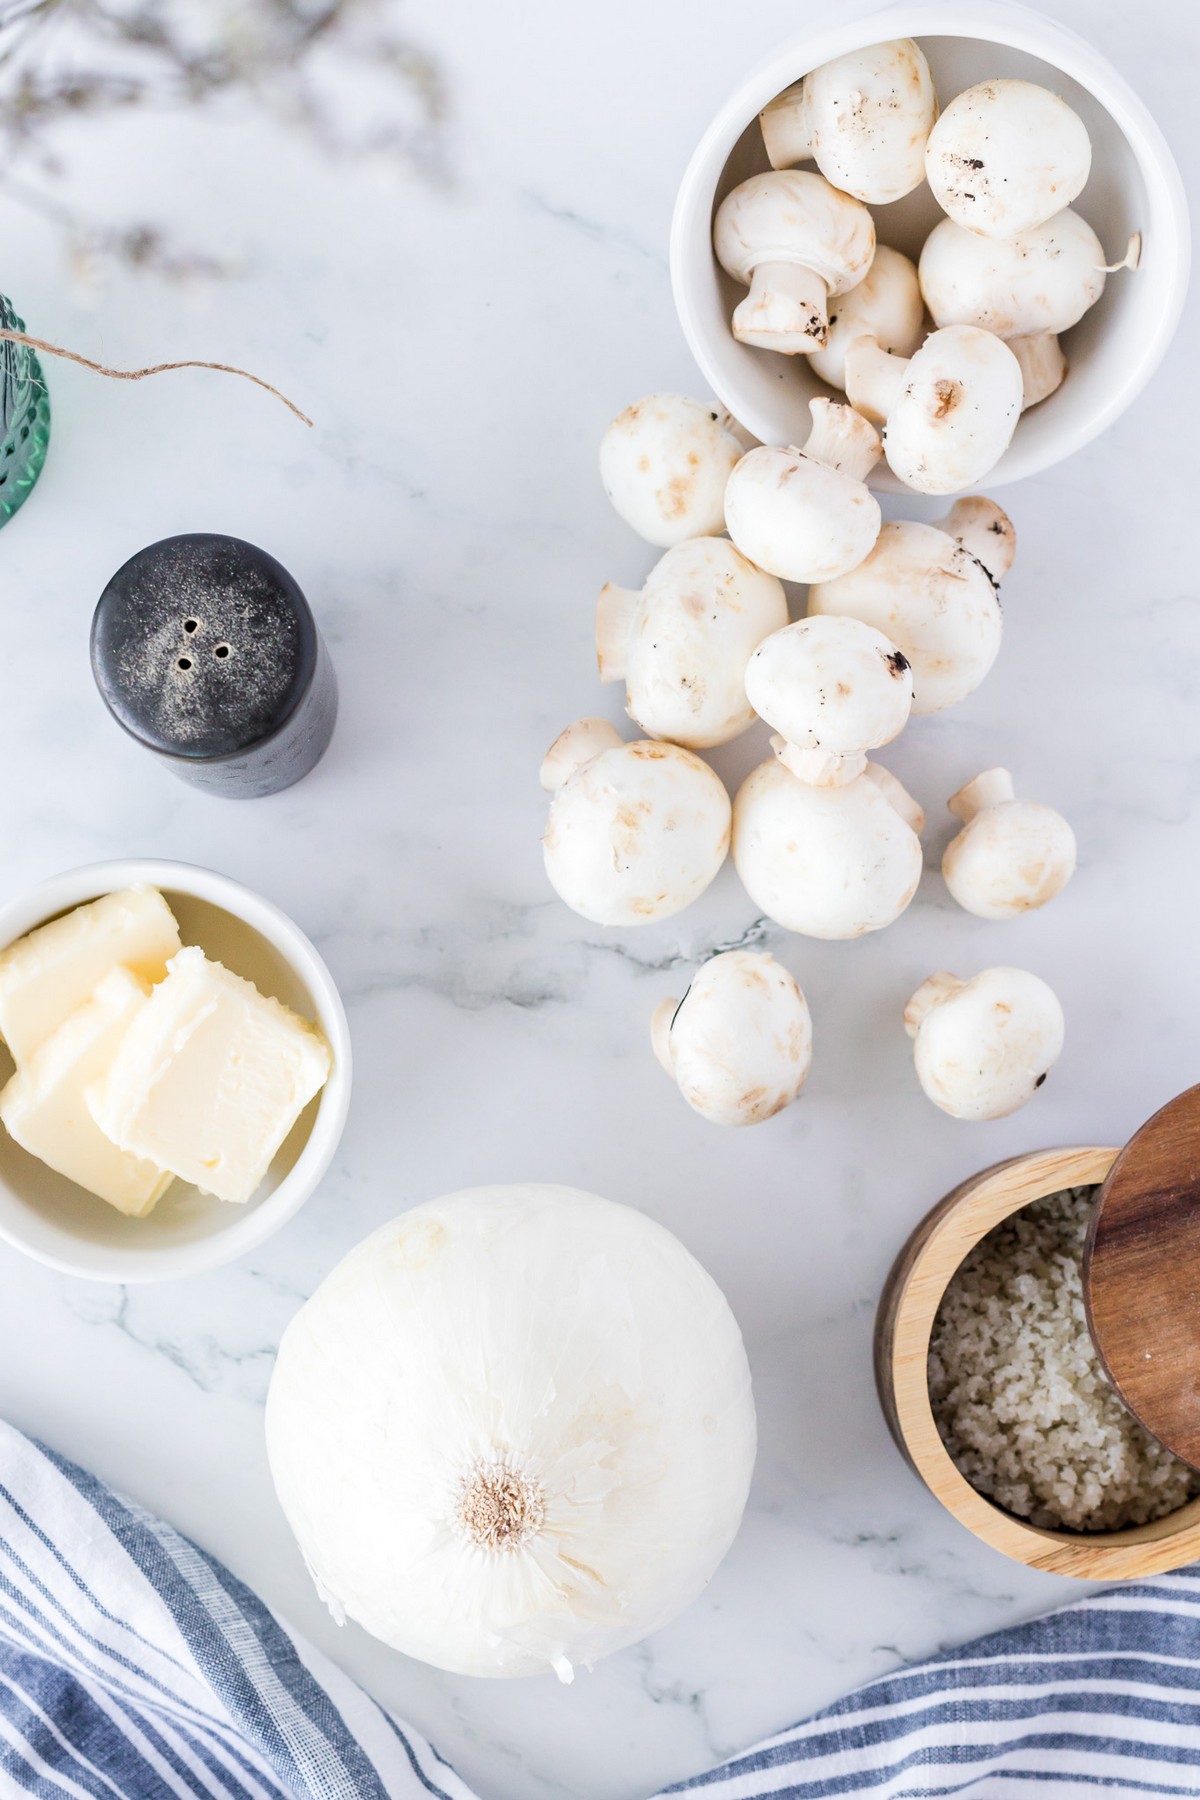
x=822 y=768
x=786 y=310
x=897 y=796
x=991 y=788
x=1043 y=366
x=842 y=438
x=874 y=378
x=1131 y=259
x=660 y=1033
x=614 y=621
x=930 y=993
x=574 y=747
x=787 y=128
x=985 y=532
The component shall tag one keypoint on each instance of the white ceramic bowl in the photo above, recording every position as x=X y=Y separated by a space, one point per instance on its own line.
x=1134 y=186
x=58 y=1223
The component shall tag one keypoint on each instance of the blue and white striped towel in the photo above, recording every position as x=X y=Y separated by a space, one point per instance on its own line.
x=134 y=1667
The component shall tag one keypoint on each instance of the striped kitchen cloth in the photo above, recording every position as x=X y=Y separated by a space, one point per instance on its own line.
x=134 y=1666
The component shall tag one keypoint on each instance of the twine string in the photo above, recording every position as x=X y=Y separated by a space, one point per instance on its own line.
x=22 y=337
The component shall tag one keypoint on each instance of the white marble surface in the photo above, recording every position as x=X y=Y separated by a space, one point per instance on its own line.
x=461 y=351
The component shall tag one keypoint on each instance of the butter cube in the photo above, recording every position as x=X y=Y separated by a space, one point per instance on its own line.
x=210 y=1078
x=47 y=975
x=44 y=1109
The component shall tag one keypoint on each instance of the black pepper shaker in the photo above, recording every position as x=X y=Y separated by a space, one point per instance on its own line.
x=206 y=652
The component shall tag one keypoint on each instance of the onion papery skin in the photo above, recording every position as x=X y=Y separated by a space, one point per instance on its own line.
x=513 y=1430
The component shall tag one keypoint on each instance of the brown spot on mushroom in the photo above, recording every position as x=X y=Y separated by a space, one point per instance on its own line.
x=948 y=395
x=677 y=496
x=897 y=663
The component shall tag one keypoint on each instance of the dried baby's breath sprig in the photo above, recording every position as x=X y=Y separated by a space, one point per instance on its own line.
x=63 y=61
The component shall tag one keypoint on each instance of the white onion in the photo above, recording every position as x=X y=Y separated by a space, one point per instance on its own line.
x=513 y=1430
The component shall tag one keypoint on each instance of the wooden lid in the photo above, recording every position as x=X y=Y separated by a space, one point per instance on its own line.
x=1141 y=1275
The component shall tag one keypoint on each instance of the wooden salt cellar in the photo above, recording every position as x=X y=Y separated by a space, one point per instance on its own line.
x=1143 y=1260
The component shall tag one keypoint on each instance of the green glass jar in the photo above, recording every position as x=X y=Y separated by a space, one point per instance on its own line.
x=24 y=416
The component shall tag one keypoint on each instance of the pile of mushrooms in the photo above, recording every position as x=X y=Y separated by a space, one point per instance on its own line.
x=1008 y=269
x=903 y=617
x=903 y=620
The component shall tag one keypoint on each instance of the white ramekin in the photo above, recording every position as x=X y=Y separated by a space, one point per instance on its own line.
x=1134 y=186
x=54 y=1221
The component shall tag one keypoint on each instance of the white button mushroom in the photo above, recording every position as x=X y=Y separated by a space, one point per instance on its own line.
x=1006 y=156
x=1045 y=279
x=664 y=463
x=833 y=688
x=829 y=862
x=681 y=645
x=1025 y=289
x=1011 y=855
x=739 y=1043
x=807 y=515
x=863 y=119
x=983 y=1047
x=793 y=241
x=950 y=410
x=886 y=305
x=636 y=831
x=932 y=589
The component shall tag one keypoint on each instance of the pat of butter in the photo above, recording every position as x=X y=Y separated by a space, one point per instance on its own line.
x=44 y=1109
x=210 y=1078
x=45 y=976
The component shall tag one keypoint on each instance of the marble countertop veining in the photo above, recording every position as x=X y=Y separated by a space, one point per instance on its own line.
x=461 y=348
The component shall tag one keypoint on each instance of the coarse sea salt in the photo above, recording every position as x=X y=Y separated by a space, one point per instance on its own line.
x=1017 y=1391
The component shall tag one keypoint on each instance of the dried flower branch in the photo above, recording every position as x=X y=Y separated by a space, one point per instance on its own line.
x=64 y=60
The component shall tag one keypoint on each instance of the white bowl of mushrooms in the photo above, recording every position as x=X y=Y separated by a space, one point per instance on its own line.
x=774 y=324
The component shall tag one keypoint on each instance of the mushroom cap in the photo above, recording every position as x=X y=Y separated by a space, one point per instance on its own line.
x=956 y=411
x=664 y=463
x=926 y=593
x=886 y=305
x=1006 y=156
x=701 y=613
x=985 y=1047
x=831 y=684
x=1043 y=280
x=740 y=1042
x=794 y=216
x=829 y=862
x=869 y=114
x=636 y=833
x=1010 y=859
x=799 y=518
